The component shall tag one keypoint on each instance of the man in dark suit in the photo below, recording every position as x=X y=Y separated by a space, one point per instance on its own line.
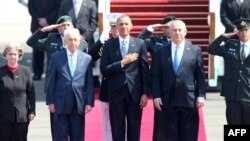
x=43 y=13
x=235 y=86
x=232 y=10
x=124 y=63
x=52 y=43
x=153 y=43
x=70 y=89
x=96 y=50
x=178 y=85
x=84 y=16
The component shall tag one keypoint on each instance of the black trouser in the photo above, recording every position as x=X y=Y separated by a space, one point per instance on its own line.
x=237 y=112
x=52 y=126
x=123 y=109
x=38 y=62
x=159 y=131
x=14 y=131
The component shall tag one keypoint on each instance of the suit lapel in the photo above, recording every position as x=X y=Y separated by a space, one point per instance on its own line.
x=65 y=58
x=185 y=56
x=78 y=61
x=131 y=45
x=117 y=47
x=72 y=11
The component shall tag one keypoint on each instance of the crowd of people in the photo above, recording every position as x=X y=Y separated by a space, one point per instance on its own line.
x=175 y=79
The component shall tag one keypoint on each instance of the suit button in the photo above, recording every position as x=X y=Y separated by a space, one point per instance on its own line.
x=239 y=81
x=240 y=71
x=242 y=63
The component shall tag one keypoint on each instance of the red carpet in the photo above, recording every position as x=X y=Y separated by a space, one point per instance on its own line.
x=93 y=128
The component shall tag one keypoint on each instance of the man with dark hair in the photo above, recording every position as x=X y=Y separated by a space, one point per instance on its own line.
x=124 y=62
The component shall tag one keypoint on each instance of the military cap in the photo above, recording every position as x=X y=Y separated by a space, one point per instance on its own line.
x=112 y=17
x=64 y=18
x=168 y=19
x=242 y=24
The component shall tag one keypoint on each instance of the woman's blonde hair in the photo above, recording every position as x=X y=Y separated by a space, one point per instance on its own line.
x=16 y=46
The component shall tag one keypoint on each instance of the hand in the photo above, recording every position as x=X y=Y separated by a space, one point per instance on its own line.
x=50 y=27
x=229 y=35
x=31 y=117
x=200 y=103
x=52 y=108
x=144 y=101
x=158 y=103
x=43 y=22
x=157 y=26
x=129 y=58
x=88 y=108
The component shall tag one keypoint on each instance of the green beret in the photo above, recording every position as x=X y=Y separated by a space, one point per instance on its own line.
x=242 y=24
x=64 y=18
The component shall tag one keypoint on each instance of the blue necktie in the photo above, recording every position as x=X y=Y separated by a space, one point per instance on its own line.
x=176 y=62
x=123 y=48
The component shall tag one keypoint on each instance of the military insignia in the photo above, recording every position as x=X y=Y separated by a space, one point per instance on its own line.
x=53 y=45
x=159 y=44
x=243 y=23
x=232 y=49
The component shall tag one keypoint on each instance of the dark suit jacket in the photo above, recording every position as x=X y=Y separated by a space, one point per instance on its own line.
x=136 y=74
x=37 y=10
x=50 y=44
x=63 y=88
x=189 y=83
x=236 y=81
x=153 y=42
x=230 y=12
x=86 y=21
x=17 y=95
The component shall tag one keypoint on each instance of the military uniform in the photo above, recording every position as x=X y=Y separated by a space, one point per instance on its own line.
x=236 y=81
x=51 y=44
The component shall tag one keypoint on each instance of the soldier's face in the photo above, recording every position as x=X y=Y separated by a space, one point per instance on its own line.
x=244 y=35
x=63 y=26
x=166 y=30
x=114 y=31
x=124 y=26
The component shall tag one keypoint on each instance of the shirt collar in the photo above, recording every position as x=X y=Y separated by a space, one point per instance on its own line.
x=126 y=39
x=181 y=45
x=246 y=43
x=69 y=53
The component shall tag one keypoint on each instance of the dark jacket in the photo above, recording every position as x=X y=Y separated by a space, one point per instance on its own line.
x=17 y=95
x=181 y=89
x=236 y=81
x=136 y=74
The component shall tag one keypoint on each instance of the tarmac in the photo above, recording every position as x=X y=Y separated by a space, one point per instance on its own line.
x=15 y=28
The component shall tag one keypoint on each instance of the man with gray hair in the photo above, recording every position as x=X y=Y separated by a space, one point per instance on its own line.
x=71 y=70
